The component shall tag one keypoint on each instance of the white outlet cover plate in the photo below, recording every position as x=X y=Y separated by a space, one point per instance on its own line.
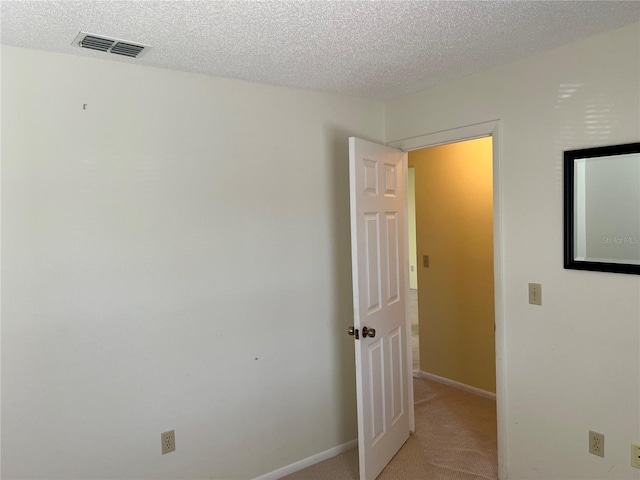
x=168 y=441
x=596 y=443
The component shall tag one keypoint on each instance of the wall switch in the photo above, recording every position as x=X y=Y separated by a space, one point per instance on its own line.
x=535 y=294
x=168 y=441
x=635 y=455
x=425 y=261
x=596 y=443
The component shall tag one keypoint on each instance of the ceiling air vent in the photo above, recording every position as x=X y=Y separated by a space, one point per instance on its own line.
x=96 y=43
x=127 y=49
x=110 y=45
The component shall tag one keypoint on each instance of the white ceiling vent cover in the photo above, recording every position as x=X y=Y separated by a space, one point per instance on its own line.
x=110 y=45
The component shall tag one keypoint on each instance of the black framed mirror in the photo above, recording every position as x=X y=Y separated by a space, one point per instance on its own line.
x=602 y=209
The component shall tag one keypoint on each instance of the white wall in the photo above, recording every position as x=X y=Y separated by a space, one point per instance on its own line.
x=176 y=256
x=571 y=364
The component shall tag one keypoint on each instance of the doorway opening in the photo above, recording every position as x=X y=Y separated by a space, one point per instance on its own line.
x=451 y=262
x=451 y=296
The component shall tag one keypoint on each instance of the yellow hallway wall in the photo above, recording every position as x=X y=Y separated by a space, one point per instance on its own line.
x=454 y=226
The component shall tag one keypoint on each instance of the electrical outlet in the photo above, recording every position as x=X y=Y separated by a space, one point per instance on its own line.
x=425 y=261
x=168 y=441
x=535 y=294
x=635 y=455
x=596 y=443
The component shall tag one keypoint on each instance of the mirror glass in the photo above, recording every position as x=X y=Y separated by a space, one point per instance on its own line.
x=602 y=209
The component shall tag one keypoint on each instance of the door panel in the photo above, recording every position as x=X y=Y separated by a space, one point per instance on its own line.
x=378 y=224
x=372 y=266
x=376 y=393
x=393 y=267
x=397 y=360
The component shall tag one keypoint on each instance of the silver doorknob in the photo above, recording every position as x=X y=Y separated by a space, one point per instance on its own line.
x=353 y=331
x=368 y=332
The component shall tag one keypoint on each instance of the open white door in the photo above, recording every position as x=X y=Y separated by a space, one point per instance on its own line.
x=379 y=253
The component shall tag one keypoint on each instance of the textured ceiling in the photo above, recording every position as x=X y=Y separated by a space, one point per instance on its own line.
x=373 y=49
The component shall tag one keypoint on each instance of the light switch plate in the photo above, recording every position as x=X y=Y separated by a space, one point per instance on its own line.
x=535 y=294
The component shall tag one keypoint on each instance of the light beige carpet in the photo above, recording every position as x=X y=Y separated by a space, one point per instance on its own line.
x=455 y=439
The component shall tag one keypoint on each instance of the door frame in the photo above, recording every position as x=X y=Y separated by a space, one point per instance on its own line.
x=470 y=132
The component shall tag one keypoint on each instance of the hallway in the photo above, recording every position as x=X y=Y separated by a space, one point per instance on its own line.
x=415 y=336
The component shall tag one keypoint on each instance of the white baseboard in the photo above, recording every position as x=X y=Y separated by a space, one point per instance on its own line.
x=453 y=383
x=307 y=462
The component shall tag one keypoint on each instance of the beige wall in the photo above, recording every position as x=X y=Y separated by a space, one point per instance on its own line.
x=454 y=225
x=555 y=388
x=176 y=256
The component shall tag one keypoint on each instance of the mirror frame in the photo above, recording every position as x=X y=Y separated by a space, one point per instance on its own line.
x=570 y=156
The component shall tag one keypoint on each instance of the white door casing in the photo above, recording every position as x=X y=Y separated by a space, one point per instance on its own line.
x=379 y=266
